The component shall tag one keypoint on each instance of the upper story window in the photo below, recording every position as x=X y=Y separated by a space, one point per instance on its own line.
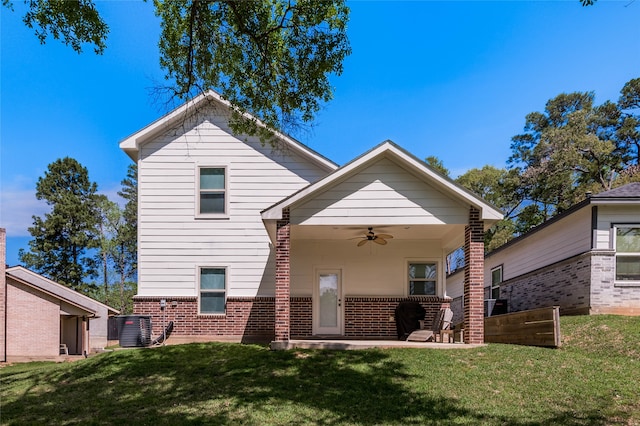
x=628 y=252
x=212 y=191
x=422 y=278
x=496 y=280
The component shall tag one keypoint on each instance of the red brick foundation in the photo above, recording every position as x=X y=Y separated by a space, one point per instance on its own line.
x=253 y=319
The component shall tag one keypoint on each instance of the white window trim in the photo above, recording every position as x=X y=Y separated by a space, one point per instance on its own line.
x=226 y=289
x=439 y=276
x=622 y=283
x=493 y=286
x=199 y=215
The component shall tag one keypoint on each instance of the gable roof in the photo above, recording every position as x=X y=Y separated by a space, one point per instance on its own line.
x=131 y=144
x=52 y=288
x=386 y=149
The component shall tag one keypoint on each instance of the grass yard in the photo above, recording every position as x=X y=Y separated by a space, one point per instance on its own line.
x=593 y=380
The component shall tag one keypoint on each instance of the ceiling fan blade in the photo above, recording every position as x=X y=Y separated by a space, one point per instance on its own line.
x=361 y=243
x=385 y=236
x=380 y=241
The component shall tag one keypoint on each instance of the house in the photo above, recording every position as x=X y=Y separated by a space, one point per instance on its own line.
x=41 y=319
x=585 y=260
x=239 y=241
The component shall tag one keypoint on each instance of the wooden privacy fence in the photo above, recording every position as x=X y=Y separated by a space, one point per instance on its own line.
x=537 y=327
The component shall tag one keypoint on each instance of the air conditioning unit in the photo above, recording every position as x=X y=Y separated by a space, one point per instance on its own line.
x=488 y=306
x=495 y=307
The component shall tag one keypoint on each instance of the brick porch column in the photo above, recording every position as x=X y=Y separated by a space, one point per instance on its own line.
x=283 y=269
x=474 y=278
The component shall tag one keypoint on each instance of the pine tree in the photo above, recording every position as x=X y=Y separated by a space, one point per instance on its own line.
x=63 y=238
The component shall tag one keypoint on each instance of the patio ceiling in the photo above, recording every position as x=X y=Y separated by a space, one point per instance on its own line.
x=399 y=232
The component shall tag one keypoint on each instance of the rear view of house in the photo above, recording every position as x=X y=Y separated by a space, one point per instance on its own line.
x=240 y=241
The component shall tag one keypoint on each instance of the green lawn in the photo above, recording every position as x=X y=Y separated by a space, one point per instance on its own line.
x=594 y=379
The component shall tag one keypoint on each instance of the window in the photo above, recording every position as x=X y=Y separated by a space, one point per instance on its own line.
x=422 y=278
x=628 y=253
x=213 y=287
x=496 y=280
x=212 y=191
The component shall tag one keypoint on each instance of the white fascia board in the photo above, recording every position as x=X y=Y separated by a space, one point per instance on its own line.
x=131 y=145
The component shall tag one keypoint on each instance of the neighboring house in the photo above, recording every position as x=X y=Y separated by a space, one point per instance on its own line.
x=586 y=260
x=38 y=316
x=243 y=242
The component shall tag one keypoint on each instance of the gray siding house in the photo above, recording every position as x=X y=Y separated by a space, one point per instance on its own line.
x=586 y=260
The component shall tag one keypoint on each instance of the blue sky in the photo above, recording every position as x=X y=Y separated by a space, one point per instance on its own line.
x=450 y=79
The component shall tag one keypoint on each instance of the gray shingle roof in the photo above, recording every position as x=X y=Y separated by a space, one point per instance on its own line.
x=630 y=190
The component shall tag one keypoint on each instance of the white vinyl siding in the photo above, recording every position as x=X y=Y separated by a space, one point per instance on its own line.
x=172 y=241
x=613 y=214
x=561 y=240
x=385 y=193
x=367 y=271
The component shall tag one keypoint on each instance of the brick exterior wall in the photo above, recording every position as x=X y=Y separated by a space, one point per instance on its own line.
x=474 y=278
x=252 y=319
x=283 y=273
x=31 y=335
x=607 y=297
x=246 y=318
x=3 y=294
x=565 y=284
x=374 y=316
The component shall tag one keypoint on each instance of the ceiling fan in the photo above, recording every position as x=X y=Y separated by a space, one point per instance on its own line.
x=376 y=238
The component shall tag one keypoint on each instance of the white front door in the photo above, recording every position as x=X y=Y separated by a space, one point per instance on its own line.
x=327 y=302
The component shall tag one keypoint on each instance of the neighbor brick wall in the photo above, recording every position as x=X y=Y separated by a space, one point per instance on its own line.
x=607 y=296
x=28 y=334
x=565 y=284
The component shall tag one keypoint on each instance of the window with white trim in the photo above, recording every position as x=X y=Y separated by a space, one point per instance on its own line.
x=213 y=290
x=212 y=191
x=628 y=253
x=496 y=280
x=422 y=277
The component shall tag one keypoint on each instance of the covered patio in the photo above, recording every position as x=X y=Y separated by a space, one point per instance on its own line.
x=376 y=232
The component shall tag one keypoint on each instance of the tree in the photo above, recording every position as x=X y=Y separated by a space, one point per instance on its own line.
x=126 y=250
x=628 y=132
x=117 y=245
x=62 y=240
x=501 y=188
x=565 y=151
x=437 y=164
x=270 y=58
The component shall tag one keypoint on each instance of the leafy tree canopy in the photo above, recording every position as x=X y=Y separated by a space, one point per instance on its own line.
x=270 y=58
